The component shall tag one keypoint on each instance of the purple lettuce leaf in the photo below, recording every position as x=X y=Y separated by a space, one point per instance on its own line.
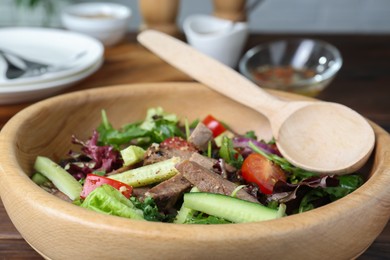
x=93 y=158
x=243 y=143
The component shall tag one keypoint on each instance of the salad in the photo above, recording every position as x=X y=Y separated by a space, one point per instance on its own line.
x=201 y=172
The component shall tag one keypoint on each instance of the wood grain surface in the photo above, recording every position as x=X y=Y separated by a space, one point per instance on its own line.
x=362 y=84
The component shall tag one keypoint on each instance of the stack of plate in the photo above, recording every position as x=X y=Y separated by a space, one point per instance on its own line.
x=71 y=57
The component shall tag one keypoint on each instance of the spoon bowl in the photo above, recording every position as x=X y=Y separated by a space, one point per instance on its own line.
x=321 y=137
x=322 y=141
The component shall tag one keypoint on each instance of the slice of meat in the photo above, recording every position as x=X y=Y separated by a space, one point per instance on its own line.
x=139 y=192
x=208 y=181
x=156 y=153
x=206 y=162
x=212 y=164
x=166 y=193
x=201 y=136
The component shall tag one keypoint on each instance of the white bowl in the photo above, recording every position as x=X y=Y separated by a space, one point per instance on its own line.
x=107 y=22
x=221 y=39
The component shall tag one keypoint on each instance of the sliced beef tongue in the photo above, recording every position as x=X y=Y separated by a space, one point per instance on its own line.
x=206 y=162
x=166 y=193
x=139 y=192
x=208 y=181
x=212 y=164
x=156 y=153
x=201 y=136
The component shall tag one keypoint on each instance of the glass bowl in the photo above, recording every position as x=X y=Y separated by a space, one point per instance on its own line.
x=303 y=66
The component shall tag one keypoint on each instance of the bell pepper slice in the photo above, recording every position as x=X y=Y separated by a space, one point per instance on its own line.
x=92 y=181
x=214 y=125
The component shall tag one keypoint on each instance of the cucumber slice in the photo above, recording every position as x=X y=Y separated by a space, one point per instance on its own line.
x=229 y=208
x=132 y=154
x=63 y=180
x=40 y=179
x=184 y=213
x=219 y=138
x=148 y=174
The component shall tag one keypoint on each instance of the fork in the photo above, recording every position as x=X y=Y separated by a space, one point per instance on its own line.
x=19 y=67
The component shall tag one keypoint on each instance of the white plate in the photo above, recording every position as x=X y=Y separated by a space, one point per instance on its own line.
x=51 y=46
x=33 y=92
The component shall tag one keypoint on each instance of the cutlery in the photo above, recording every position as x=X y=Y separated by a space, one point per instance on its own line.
x=12 y=70
x=322 y=137
x=19 y=67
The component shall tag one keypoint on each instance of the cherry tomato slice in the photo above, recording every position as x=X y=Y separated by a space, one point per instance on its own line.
x=258 y=169
x=92 y=181
x=214 y=125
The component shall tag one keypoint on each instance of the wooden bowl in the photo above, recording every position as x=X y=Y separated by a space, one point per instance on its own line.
x=60 y=230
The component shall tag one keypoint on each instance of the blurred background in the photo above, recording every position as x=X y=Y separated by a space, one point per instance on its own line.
x=340 y=16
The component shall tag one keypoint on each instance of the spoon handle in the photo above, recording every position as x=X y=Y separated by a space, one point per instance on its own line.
x=210 y=72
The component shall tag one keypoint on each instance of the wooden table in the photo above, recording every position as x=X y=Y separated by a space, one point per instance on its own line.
x=362 y=84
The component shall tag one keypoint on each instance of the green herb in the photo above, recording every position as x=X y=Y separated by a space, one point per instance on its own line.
x=229 y=154
x=100 y=173
x=201 y=218
x=272 y=141
x=209 y=149
x=164 y=129
x=307 y=202
x=237 y=189
x=105 y=123
x=273 y=204
x=251 y=135
x=156 y=127
x=150 y=210
x=187 y=128
x=347 y=184
x=351 y=182
x=154 y=114
x=194 y=123
x=82 y=181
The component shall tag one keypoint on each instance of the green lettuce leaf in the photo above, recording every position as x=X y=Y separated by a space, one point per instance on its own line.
x=153 y=114
x=319 y=196
x=108 y=200
x=156 y=127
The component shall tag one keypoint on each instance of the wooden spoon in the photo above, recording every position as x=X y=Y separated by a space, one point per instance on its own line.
x=317 y=136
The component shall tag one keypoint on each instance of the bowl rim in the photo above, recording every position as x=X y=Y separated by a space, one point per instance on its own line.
x=119 y=11
x=11 y=172
x=226 y=27
x=327 y=75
